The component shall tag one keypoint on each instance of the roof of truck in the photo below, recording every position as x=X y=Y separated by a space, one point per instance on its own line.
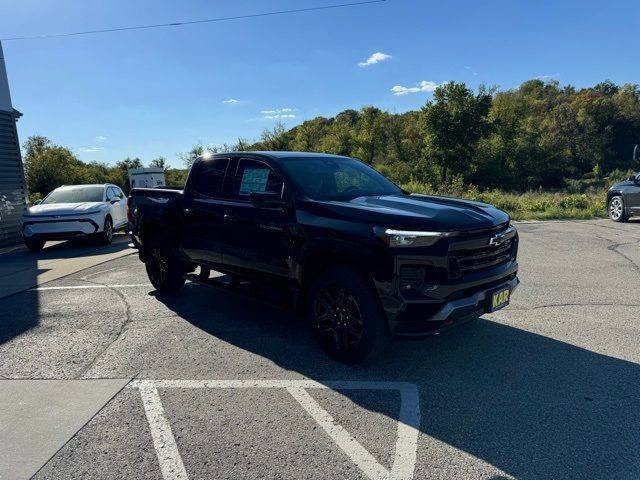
x=274 y=154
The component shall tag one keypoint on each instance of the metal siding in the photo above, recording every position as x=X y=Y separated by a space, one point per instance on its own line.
x=13 y=193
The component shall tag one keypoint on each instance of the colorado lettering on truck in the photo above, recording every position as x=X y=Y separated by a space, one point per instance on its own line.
x=364 y=259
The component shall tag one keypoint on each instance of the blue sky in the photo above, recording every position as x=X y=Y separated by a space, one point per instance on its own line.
x=148 y=93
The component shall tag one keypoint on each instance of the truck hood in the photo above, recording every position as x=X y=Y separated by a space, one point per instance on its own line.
x=64 y=208
x=419 y=212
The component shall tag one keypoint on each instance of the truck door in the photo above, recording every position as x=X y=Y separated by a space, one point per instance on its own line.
x=201 y=225
x=255 y=239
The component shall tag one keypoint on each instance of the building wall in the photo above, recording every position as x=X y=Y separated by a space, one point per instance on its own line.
x=5 y=96
x=13 y=194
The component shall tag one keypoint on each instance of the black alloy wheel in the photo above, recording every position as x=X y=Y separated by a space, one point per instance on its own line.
x=338 y=317
x=164 y=269
x=347 y=315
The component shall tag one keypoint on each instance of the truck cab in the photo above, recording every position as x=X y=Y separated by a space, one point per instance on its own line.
x=364 y=258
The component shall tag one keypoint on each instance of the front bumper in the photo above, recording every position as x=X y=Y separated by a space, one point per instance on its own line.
x=59 y=229
x=421 y=318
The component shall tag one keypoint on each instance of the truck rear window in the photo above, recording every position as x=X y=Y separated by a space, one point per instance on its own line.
x=208 y=177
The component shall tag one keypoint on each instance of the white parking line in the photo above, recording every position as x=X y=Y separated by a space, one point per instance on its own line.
x=403 y=467
x=79 y=287
x=163 y=441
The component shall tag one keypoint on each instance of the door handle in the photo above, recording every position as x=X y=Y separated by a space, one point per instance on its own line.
x=229 y=218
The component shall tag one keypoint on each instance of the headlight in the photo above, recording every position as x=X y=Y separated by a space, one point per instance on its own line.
x=408 y=238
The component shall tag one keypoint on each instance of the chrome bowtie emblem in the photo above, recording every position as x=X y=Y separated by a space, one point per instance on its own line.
x=498 y=239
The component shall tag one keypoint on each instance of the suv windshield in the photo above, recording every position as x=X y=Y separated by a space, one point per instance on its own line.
x=75 y=195
x=337 y=178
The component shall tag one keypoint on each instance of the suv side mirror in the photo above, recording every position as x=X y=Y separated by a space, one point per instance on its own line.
x=267 y=200
x=38 y=202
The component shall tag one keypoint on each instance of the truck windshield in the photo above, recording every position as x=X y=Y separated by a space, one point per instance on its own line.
x=337 y=178
x=75 y=195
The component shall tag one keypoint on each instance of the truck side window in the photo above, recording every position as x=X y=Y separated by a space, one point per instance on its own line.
x=255 y=176
x=209 y=176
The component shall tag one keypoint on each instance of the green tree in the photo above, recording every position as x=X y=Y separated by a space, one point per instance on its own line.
x=159 y=162
x=190 y=157
x=276 y=139
x=452 y=124
x=47 y=166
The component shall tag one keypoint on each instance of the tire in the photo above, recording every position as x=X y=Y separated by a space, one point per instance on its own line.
x=346 y=314
x=616 y=209
x=106 y=236
x=34 y=244
x=204 y=273
x=164 y=269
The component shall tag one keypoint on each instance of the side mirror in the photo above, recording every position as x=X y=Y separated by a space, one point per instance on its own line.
x=38 y=202
x=267 y=200
x=114 y=199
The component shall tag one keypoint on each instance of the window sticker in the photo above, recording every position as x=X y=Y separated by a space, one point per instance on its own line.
x=254 y=180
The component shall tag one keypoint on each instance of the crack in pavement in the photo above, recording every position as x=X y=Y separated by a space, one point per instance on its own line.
x=614 y=246
x=553 y=305
x=121 y=330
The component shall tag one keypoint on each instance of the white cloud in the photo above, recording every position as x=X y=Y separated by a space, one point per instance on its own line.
x=548 y=76
x=423 y=86
x=102 y=138
x=231 y=100
x=273 y=117
x=375 y=58
x=90 y=149
x=278 y=113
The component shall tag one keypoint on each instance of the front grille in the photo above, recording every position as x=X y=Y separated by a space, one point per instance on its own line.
x=475 y=259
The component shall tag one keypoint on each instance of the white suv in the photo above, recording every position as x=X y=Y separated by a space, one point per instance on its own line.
x=75 y=211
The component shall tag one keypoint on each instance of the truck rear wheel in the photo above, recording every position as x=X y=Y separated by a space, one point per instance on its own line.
x=164 y=269
x=34 y=244
x=348 y=319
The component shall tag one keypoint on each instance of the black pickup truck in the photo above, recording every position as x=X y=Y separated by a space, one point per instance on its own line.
x=363 y=258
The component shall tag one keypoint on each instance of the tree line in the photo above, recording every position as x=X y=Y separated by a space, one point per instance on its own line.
x=538 y=136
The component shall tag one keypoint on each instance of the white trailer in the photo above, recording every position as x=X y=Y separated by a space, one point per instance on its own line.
x=146 y=177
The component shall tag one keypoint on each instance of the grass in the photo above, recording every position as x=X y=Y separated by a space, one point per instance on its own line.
x=535 y=205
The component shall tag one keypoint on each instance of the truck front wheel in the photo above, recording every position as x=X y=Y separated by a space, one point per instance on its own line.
x=348 y=319
x=164 y=269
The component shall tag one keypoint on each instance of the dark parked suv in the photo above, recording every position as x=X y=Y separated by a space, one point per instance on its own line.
x=623 y=199
x=364 y=259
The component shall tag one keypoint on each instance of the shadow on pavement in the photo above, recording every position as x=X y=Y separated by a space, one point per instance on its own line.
x=529 y=405
x=19 y=271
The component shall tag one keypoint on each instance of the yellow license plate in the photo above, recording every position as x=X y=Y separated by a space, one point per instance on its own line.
x=500 y=299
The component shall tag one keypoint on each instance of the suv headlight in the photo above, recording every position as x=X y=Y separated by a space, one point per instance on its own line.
x=408 y=238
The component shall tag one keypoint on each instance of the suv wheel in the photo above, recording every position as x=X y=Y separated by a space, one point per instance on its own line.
x=106 y=236
x=348 y=319
x=616 y=209
x=164 y=269
x=34 y=244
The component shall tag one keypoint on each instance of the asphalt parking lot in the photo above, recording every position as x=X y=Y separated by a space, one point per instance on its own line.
x=221 y=383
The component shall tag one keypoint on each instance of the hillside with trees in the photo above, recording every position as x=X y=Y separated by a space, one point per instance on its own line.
x=538 y=137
